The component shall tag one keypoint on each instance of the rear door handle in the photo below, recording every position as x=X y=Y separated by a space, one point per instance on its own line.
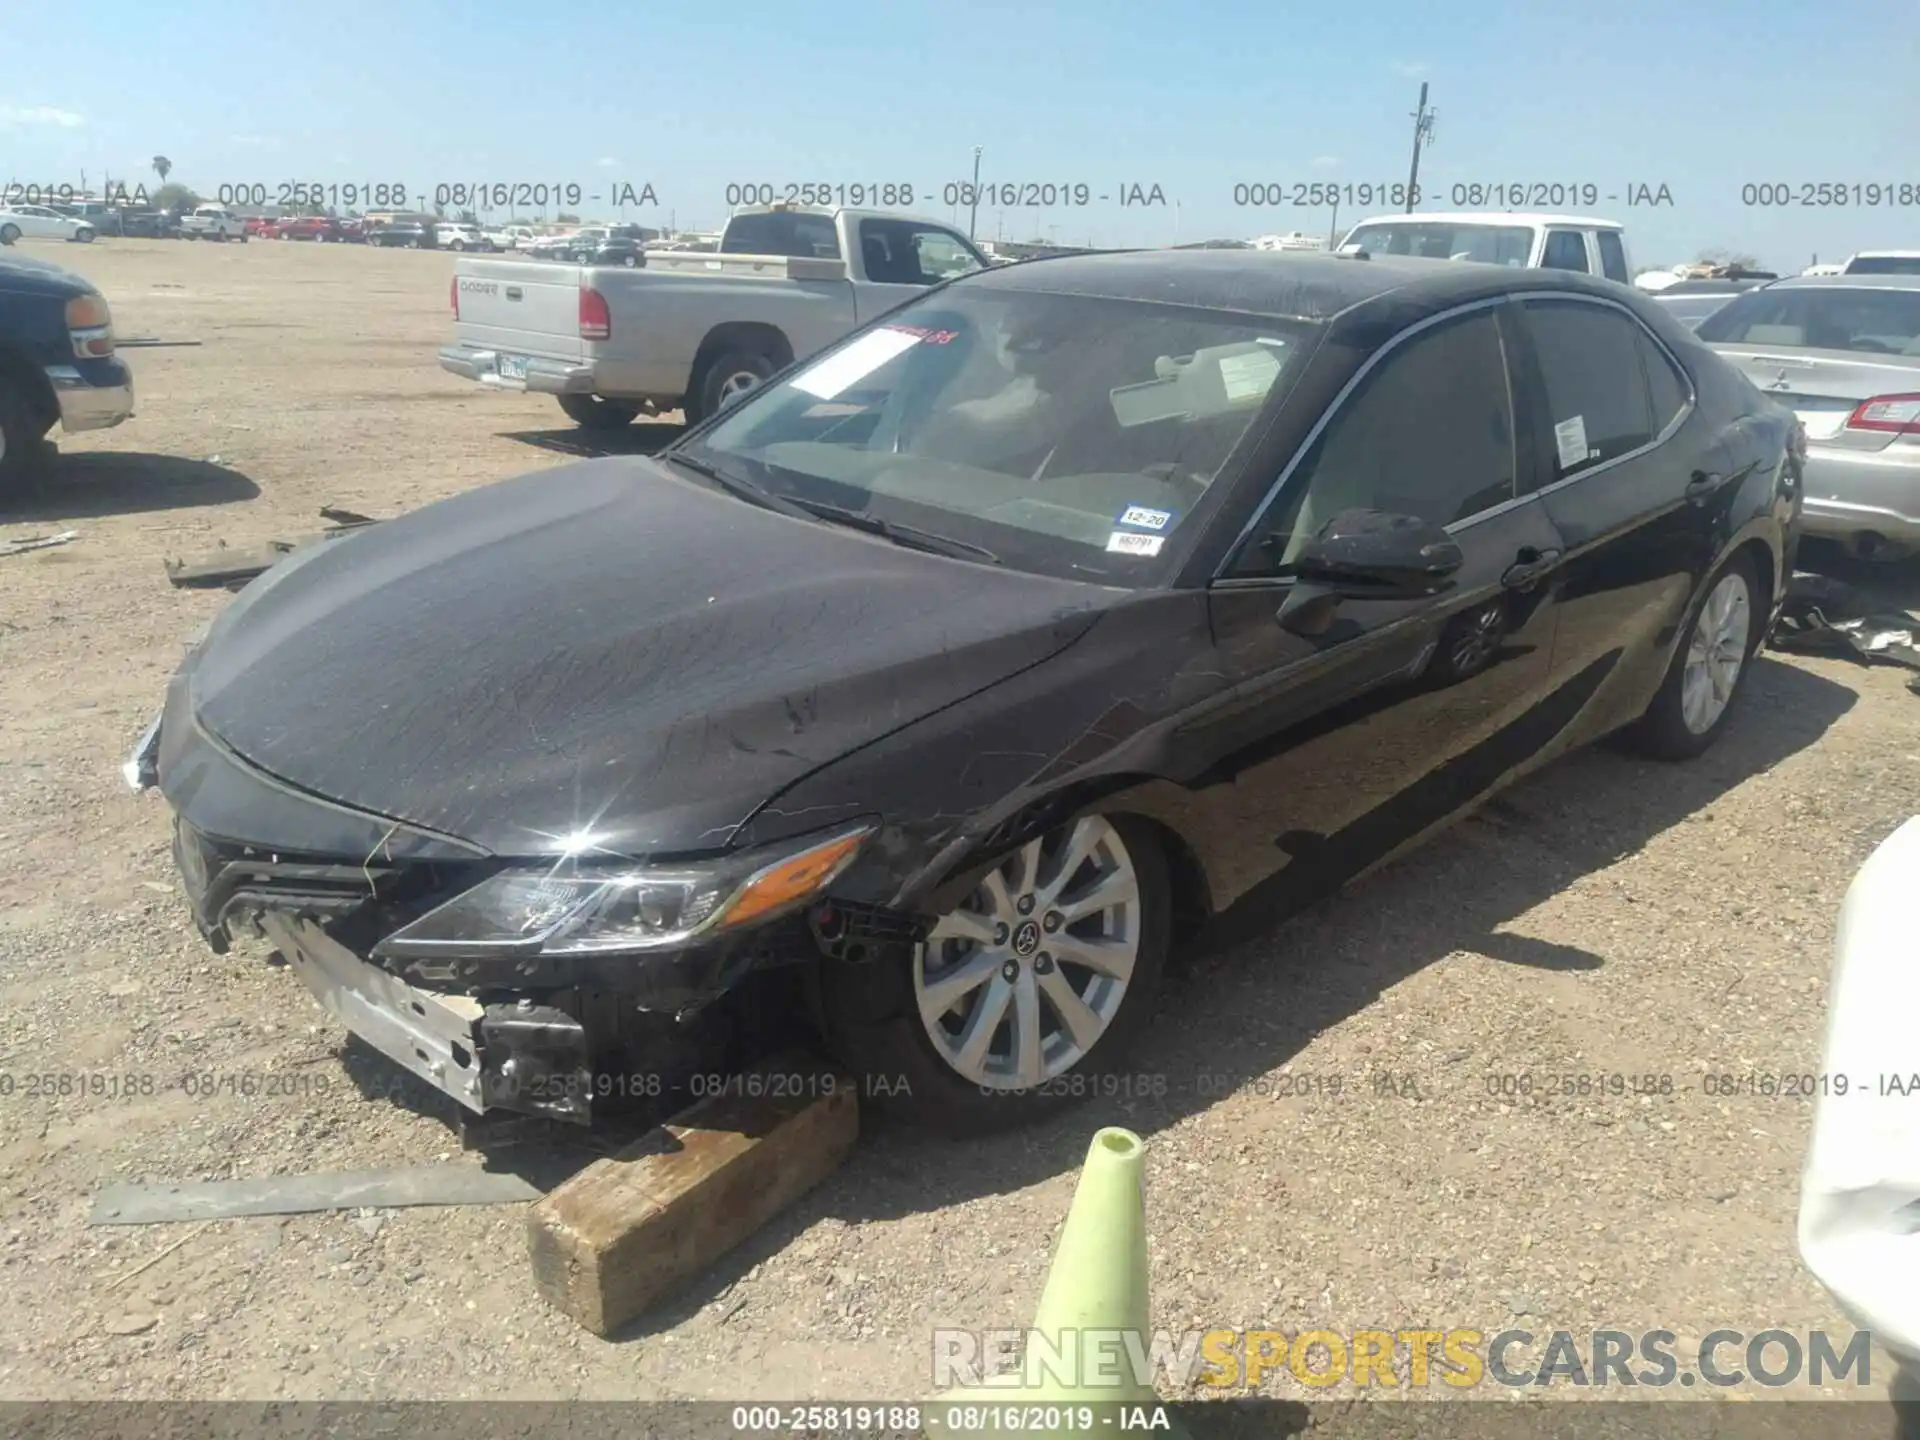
x=1528 y=566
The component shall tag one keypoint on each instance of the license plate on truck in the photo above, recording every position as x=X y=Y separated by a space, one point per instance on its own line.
x=512 y=367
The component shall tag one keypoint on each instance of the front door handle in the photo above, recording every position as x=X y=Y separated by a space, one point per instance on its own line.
x=1528 y=566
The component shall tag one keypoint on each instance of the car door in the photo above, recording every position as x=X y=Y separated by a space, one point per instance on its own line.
x=1618 y=427
x=1328 y=752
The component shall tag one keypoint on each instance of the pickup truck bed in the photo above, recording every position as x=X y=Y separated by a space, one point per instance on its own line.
x=685 y=331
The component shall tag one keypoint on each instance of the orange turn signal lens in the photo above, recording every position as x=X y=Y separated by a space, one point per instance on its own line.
x=795 y=878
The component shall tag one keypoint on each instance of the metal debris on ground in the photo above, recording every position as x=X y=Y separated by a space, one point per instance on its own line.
x=232 y=569
x=1824 y=616
x=166 y=1202
x=38 y=542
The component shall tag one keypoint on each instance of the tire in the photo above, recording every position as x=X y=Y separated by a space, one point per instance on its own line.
x=19 y=437
x=591 y=412
x=1685 y=719
x=728 y=370
x=456 y=244
x=84 y=236
x=241 y=237
x=874 y=1021
x=9 y=234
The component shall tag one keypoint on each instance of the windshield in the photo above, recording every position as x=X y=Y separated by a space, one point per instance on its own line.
x=1884 y=265
x=1069 y=435
x=1868 y=322
x=1444 y=240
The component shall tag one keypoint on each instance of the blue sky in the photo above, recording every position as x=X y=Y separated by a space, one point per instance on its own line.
x=1701 y=96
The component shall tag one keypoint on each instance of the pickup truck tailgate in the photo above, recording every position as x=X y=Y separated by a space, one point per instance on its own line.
x=519 y=307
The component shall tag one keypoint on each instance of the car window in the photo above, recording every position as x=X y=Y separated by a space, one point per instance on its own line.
x=1428 y=433
x=1613 y=256
x=1883 y=265
x=1667 y=389
x=1597 y=396
x=1821 y=317
x=900 y=252
x=782 y=232
x=1071 y=435
x=1566 y=250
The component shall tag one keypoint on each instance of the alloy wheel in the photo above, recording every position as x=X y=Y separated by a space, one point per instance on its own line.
x=738 y=383
x=1716 y=652
x=1017 y=984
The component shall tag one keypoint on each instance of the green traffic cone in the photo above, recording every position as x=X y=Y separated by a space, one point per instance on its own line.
x=1096 y=1293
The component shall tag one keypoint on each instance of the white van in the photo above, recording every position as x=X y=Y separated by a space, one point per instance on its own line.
x=1501 y=237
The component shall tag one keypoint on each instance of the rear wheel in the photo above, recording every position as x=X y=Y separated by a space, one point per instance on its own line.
x=9 y=234
x=591 y=412
x=1027 y=991
x=729 y=375
x=1709 y=665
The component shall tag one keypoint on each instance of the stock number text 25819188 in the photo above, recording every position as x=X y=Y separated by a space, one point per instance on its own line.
x=351 y=195
x=1319 y=194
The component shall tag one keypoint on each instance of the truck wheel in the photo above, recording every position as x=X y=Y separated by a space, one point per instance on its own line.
x=590 y=412
x=730 y=373
x=19 y=436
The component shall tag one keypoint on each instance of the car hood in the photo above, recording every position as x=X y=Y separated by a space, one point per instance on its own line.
x=605 y=647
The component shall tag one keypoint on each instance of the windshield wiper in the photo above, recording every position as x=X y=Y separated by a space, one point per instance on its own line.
x=739 y=485
x=909 y=536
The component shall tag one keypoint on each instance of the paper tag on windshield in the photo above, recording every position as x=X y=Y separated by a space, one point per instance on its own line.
x=1250 y=375
x=1570 y=438
x=1130 y=542
x=854 y=363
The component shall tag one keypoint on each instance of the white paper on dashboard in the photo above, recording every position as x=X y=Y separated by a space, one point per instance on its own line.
x=855 y=362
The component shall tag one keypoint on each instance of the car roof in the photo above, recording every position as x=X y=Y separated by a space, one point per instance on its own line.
x=1277 y=283
x=1885 y=255
x=1847 y=282
x=1493 y=217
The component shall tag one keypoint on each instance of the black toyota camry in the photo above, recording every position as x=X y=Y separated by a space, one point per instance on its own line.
x=968 y=667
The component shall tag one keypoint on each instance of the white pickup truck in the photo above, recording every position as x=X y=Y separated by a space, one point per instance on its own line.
x=213 y=222
x=690 y=330
x=1501 y=237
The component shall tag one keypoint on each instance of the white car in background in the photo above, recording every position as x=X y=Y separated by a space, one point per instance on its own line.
x=1860 y=1192
x=1538 y=241
x=511 y=237
x=453 y=235
x=39 y=222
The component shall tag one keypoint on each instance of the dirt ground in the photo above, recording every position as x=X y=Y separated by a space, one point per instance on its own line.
x=1609 y=916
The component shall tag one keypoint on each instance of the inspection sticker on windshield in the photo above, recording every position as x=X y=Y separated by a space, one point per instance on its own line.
x=1140 y=517
x=1570 y=438
x=854 y=363
x=1249 y=375
x=1132 y=542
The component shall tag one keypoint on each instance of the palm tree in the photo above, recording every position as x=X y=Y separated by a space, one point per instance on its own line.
x=161 y=165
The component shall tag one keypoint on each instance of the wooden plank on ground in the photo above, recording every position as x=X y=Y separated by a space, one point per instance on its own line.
x=627 y=1230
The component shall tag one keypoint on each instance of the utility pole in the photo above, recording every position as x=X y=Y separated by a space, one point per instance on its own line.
x=973 y=196
x=1333 y=225
x=1422 y=135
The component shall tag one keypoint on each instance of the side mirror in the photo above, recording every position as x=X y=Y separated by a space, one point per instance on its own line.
x=1367 y=555
x=1364 y=554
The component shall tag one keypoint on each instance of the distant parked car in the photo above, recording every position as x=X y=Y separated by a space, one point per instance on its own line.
x=402 y=234
x=42 y=222
x=1844 y=352
x=309 y=227
x=213 y=222
x=511 y=237
x=455 y=235
x=629 y=253
x=1883 y=262
x=353 y=230
x=144 y=223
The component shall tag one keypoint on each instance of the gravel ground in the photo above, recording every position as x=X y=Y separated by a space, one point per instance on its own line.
x=1609 y=916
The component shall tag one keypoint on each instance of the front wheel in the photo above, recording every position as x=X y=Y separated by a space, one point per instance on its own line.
x=1026 y=997
x=85 y=237
x=1697 y=696
x=456 y=244
x=591 y=412
x=9 y=234
x=727 y=377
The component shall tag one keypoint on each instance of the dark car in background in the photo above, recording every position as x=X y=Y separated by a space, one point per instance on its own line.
x=1067 y=613
x=402 y=234
x=57 y=361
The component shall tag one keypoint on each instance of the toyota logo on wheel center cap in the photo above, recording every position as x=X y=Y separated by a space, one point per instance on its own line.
x=1026 y=939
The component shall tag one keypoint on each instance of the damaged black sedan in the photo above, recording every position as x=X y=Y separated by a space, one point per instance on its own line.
x=967 y=668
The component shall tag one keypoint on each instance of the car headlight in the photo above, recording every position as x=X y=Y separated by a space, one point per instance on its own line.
x=582 y=907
